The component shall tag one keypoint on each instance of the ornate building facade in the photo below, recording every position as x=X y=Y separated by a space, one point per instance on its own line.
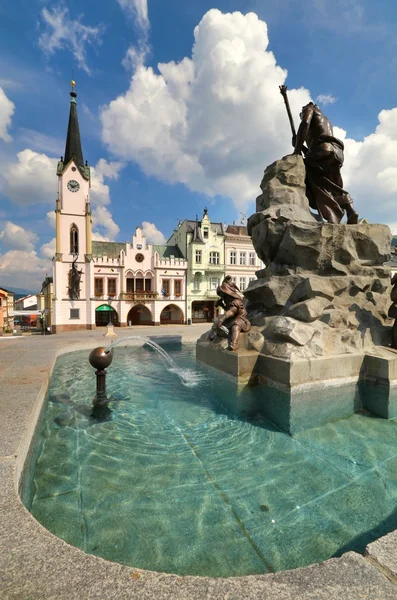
x=241 y=260
x=134 y=283
x=94 y=282
x=202 y=242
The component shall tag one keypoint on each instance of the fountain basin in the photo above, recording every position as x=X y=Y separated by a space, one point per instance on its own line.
x=192 y=480
x=35 y=562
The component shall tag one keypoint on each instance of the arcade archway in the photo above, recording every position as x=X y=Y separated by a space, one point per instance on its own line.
x=105 y=314
x=139 y=315
x=171 y=314
x=203 y=311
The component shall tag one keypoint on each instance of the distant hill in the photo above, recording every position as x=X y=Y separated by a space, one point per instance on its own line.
x=19 y=292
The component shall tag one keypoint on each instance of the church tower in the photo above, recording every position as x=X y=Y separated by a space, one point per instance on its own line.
x=73 y=213
x=73 y=226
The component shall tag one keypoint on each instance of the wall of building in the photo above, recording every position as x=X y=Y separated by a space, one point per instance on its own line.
x=241 y=261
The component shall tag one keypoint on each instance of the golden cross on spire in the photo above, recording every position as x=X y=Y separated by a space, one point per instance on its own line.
x=73 y=84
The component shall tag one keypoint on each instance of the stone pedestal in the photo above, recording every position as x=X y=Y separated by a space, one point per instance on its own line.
x=318 y=310
x=303 y=393
x=110 y=331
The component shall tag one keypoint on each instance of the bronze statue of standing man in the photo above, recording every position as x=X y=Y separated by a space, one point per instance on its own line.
x=323 y=158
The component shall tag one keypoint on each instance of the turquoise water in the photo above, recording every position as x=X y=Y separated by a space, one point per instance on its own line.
x=181 y=481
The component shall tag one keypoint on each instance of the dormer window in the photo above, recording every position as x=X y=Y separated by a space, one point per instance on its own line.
x=74 y=239
x=205 y=232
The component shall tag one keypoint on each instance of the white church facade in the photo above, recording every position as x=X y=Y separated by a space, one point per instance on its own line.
x=96 y=282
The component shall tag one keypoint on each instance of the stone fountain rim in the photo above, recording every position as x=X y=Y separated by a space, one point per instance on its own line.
x=30 y=550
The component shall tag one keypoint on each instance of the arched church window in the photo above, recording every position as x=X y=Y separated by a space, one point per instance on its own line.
x=74 y=239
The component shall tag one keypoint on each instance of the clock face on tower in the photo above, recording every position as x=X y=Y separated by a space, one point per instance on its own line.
x=73 y=186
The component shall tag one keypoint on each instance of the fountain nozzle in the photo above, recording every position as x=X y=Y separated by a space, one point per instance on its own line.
x=100 y=359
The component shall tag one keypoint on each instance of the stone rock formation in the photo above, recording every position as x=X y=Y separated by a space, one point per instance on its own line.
x=325 y=289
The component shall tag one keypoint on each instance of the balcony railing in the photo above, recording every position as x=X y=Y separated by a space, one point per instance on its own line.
x=105 y=297
x=136 y=296
x=215 y=267
x=204 y=292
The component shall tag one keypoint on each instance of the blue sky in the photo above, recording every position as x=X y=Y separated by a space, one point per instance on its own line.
x=179 y=109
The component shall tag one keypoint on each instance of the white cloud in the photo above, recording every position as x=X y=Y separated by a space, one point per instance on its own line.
x=134 y=58
x=152 y=234
x=213 y=121
x=98 y=237
x=137 y=10
x=6 y=111
x=64 y=33
x=325 y=99
x=216 y=120
x=111 y=170
x=370 y=170
x=51 y=218
x=105 y=228
x=16 y=237
x=19 y=268
x=32 y=179
x=48 y=250
x=100 y=193
x=102 y=219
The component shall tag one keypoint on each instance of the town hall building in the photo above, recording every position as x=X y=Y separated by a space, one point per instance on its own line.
x=95 y=283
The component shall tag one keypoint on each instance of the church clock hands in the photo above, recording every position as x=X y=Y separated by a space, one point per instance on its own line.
x=73 y=186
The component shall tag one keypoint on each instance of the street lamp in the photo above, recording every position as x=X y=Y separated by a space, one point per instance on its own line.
x=109 y=326
x=110 y=300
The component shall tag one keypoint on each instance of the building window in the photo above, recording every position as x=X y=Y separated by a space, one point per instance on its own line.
x=139 y=258
x=148 y=285
x=130 y=285
x=252 y=259
x=252 y=279
x=139 y=285
x=196 y=284
x=214 y=282
x=98 y=286
x=74 y=239
x=234 y=280
x=205 y=233
x=233 y=257
x=165 y=287
x=242 y=283
x=178 y=287
x=243 y=258
x=111 y=287
x=198 y=256
x=75 y=313
x=214 y=258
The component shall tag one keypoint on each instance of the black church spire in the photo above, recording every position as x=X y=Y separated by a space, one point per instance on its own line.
x=73 y=142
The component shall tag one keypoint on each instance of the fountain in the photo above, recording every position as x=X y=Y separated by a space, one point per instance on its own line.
x=230 y=479
x=100 y=359
x=318 y=311
x=197 y=476
x=187 y=376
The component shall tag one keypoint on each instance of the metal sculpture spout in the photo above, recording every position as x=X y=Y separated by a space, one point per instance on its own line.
x=100 y=359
